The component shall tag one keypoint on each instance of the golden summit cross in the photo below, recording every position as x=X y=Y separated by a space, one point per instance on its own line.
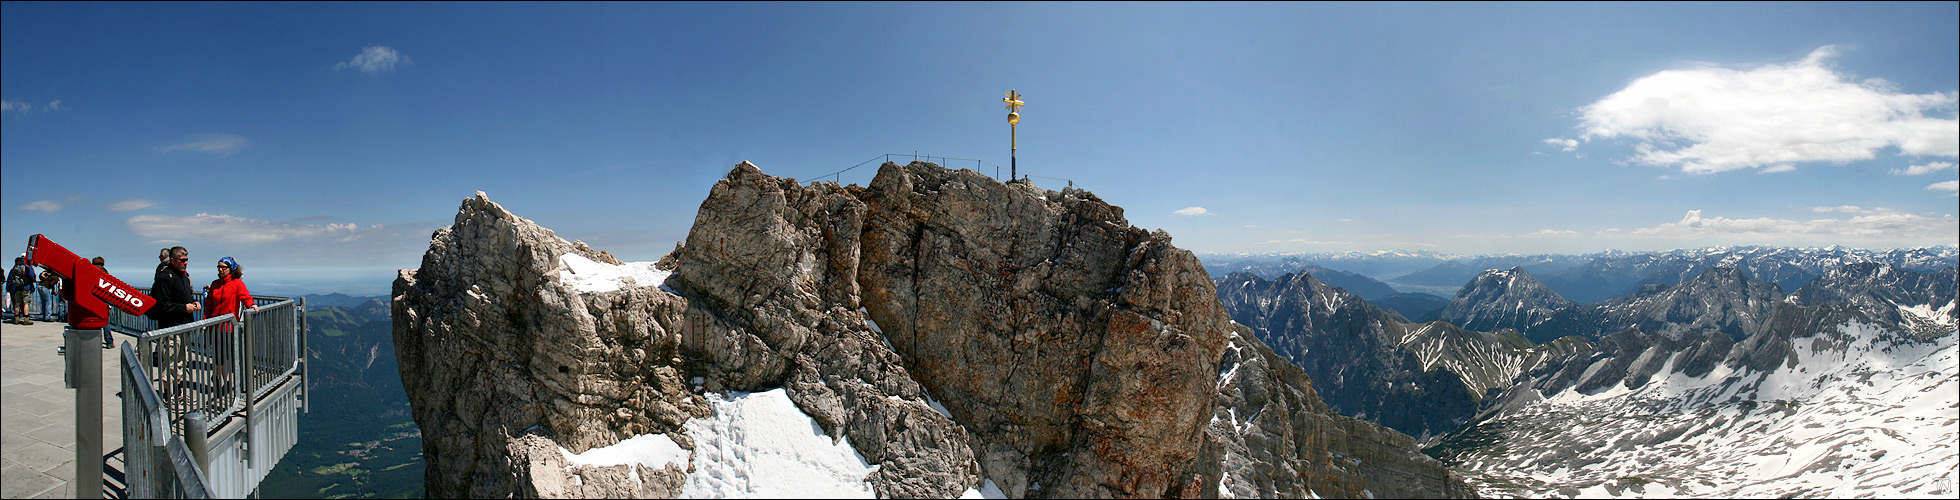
x=1014 y=103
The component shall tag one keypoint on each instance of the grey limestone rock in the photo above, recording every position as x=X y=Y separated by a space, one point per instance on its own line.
x=1075 y=355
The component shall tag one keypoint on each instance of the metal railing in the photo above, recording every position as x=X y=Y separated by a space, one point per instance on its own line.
x=157 y=463
x=838 y=176
x=271 y=342
x=136 y=324
x=195 y=365
x=191 y=364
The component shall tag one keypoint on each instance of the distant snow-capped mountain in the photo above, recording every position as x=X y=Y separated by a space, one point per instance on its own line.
x=1379 y=266
x=1351 y=350
x=1923 y=302
x=1504 y=299
x=1721 y=298
x=1586 y=278
x=1846 y=396
x=1790 y=268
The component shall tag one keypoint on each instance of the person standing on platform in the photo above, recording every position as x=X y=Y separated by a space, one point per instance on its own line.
x=52 y=307
x=172 y=291
x=20 y=281
x=224 y=294
x=223 y=297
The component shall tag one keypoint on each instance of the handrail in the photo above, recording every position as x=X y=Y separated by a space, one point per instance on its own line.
x=243 y=370
x=838 y=176
x=157 y=463
x=132 y=324
x=273 y=330
x=196 y=362
x=193 y=367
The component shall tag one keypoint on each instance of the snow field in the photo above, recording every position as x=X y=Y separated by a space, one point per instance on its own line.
x=759 y=445
x=1860 y=415
x=587 y=275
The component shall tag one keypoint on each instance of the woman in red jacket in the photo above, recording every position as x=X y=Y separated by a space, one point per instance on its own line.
x=224 y=294
x=222 y=297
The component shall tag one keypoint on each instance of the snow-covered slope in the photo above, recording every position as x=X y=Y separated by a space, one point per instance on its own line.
x=1853 y=408
x=758 y=445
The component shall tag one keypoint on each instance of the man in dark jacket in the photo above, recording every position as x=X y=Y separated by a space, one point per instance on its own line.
x=172 y=290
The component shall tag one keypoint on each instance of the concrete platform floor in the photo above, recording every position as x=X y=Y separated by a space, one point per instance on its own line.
x=37 y=417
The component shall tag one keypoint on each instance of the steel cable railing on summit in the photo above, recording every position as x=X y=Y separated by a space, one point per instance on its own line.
x=941 y=160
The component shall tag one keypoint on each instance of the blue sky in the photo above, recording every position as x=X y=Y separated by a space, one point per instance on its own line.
x=320 y=144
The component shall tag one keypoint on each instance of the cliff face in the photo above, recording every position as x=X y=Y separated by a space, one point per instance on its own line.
x=497 y=353
x=1077 y=356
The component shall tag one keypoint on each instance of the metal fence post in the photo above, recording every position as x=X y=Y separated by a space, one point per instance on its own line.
x=85 y=370
x=243 y=336
x=197 y=436
x=305 y=398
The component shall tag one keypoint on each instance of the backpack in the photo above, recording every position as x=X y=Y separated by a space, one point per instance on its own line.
x=18 y=280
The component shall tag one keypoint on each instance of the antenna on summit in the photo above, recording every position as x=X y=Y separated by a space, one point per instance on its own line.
x=1014 y=103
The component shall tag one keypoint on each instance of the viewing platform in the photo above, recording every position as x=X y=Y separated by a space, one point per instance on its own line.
x=201 y=410
x=37 y=428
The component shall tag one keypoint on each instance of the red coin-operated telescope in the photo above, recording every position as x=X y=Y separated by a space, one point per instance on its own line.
x=86 y=311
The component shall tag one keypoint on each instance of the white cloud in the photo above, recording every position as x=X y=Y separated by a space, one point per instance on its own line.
x=1923 y=169
x=234 y=229
x=1778 y=169
x=375 y=60
x=1347 y=220
x=1304 y=241
x=1710 y=119
x=1866 y=225
x=42 y=206
x=1405 y=244
x=1551 y=233
x=220 y=144
x=15 y=106
x=54 y=105
x=1563 y=144
x=1542 y=233
x=127 y=205
x=1193 y=211
x=1944 y=186
x=1846 y=209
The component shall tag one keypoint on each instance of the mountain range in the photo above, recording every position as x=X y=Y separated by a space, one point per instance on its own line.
x=1845 y=389
x=1585 y=278
x=961 y=336
x=1611 y=374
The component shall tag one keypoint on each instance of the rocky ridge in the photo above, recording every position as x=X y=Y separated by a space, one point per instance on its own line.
x=1809 y=404
x=1504 y=299
x=1424 y=379
x=1721 y=299
x=1077 y=356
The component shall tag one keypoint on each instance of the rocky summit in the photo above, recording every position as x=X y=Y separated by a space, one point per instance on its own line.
x=1504 y=299
x=1074 y=354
